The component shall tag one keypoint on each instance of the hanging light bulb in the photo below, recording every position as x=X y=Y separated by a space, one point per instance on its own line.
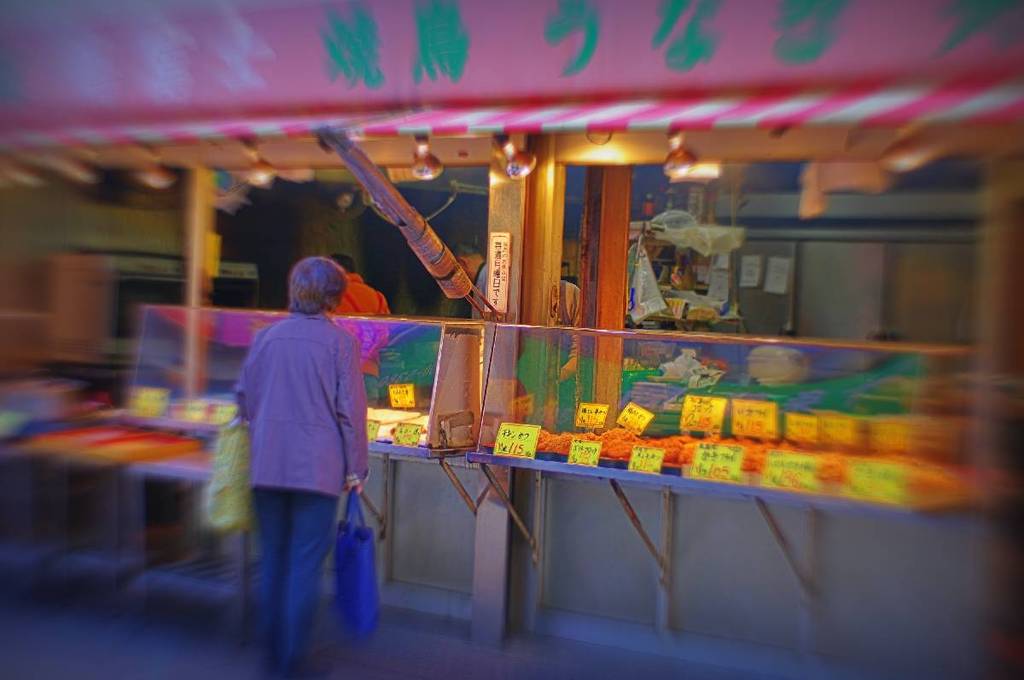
x=909 y=153
x=22 y=175
x=518 y=163
x=425 y=165
x=680 y=160
x=155 y=175
x=261 y=173
x=72 y=168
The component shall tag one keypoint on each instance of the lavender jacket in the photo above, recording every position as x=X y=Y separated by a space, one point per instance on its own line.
x=301 y=390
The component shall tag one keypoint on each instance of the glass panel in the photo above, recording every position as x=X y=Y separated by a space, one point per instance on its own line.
x=400 y=363
x=878 y=422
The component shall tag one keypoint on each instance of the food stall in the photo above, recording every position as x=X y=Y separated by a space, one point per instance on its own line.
x=743 y=541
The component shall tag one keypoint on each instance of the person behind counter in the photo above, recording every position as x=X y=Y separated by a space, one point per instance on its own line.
x=359 y=297
x=301 y=390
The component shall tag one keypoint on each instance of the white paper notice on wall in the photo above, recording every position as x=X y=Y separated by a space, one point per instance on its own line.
x=720 y=261
x=718 y=288
x=750 y=271
x=776 y=278
x=499 y=260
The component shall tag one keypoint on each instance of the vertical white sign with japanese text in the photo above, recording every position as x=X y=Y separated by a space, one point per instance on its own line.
x=499 y=260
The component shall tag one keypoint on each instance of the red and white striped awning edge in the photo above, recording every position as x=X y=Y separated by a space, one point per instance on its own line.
x=1001 y=103
x=981 y=103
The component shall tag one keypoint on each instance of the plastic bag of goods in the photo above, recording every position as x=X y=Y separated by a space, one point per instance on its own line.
x=644 y=295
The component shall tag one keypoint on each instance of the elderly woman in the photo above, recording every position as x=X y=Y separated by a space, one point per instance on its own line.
x=302 y=392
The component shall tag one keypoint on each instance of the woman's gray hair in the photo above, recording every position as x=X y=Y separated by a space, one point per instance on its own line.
x=315 y=286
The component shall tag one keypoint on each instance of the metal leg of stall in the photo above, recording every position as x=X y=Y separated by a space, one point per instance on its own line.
x=457 y=483
x=659 y=557
x=507 y=502
x=805 y=575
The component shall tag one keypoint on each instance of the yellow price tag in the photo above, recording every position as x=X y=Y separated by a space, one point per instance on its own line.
x=646 y=459
x=519 y=441
x=718 y=463
x=802 y=428
x=586 y=453
x=402 y=395
x=881 y=482
x=407 y=434
x=149 y=402
x=702 y=414
x=635 y=418
x=194 y=411
x=841 y=430
x=757 y=419
x=372 y=430
x=791 y=470
x=222 y=414
x=890 y=435
x=591 y=416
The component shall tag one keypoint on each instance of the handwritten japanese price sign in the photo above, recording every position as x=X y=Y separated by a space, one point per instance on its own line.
x=890 y=435
x=372 y=430
x=757 y=419
x=802 y=428
x=407 y=434
x=195 y=411
x=839 y=430
x=635 y=418
x=591 y=416
x=877 y=481
x=584 y=453
x=646 y=459
x=703 y=414
x=149 y=402
x=718 y=462
x=790 y=470
x=223 y=413
x=518 y=441
x=402 y=395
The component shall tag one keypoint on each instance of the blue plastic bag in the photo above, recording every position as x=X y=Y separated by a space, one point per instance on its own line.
x=356 y=575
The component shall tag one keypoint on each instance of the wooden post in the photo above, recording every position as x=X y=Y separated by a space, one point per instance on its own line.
x=999 y=405
x=199 y=219
x=542 y=247
x=604 y=243
x=506 y=213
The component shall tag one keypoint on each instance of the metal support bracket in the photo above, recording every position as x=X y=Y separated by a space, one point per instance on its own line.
x=804 y=580
x=507 y=502
x=659 y=558
x=457 y=483
x=377 y=514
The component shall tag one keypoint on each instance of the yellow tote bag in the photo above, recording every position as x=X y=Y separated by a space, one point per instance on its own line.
x=228 y=496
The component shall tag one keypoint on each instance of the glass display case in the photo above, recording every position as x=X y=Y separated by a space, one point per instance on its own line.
x=882 y=423
x=422 y=377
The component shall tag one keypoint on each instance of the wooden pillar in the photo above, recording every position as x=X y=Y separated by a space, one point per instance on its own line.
x=199 y=219
x=506 y=213
x=1000 y=407
x=542 y=246
x=603 y=246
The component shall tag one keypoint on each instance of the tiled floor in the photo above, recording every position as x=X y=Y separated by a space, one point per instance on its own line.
x=78 y=640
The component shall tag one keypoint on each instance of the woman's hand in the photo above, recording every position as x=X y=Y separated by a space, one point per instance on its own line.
x=356 y=486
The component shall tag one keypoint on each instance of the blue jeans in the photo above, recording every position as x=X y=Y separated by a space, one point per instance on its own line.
x=297 y=529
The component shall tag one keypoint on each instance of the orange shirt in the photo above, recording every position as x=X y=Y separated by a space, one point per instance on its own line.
x=360 y=298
